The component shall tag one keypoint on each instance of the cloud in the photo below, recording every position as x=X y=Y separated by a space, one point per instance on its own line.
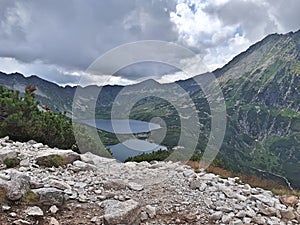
x=58 y=39
x=219 y=30
x=72 y=33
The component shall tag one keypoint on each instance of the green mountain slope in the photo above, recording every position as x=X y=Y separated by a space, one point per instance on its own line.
x=261 y=87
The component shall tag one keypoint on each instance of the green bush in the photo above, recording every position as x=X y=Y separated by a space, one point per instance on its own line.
x=11 y=162
x=159 y=155
x=22 y=120
x=51 y=160
x=30 y=198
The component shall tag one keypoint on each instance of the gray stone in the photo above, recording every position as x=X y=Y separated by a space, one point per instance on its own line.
x=96 y=220
x=236 y=222
x=13 y=214
x=34 y=211
x=116 y=184
x=216 y=215
x=289 y=200
x=259 y=220
x=263 y=198
x=241 y=214
x=269 y=211
x=17 y=187
x=117 y=212
x=135 y=186
x=151 y=210
x=21 y=222
x=227 y=218
x=247 y=220
x=224 y=209
x=59 y=184
x=24 y=163
x=6 y=208
x=50 y=196
x=84 y=166
x=7 y=153
x=144 y=216
x=80 y=185
x=38 y=145
x=53 y=209
x=53 y=221
x=31 y=142
x=34 y=184
x=189 y=173
x=5 y=176
x=288 y=213
x=96 y=160
x=198 y=184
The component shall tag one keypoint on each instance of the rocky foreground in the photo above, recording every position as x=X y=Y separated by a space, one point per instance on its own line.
x=90 y=189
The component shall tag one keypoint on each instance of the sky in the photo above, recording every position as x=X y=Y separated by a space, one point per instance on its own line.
x=59 y=39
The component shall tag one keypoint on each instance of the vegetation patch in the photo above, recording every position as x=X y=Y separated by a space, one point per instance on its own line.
x=11 y=162
x=51 y=161
x=30 y=198
x=159 y=155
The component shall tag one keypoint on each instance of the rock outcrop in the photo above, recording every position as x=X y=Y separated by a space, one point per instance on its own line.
x=93 y=190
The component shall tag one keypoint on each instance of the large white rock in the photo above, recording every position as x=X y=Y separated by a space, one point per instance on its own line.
x=117 y=212
x=34 y=211
x=7 y=153
x=50 y=196
x=91 y=158
x=17 y=186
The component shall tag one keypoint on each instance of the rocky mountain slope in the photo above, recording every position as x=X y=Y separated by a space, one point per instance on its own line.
x=261 y=88
x=89 y=189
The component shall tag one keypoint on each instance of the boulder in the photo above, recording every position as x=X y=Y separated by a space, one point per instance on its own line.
x=96 y=160
x=82 y=166
x=59 y=184
x=135 y=187
x=53 y=221
x=50 y=196
x=16 y=187
x=216 y=216
x=34 y=211
x=198 y=184
x=53 y=209
x=116 y=184
x=151 y=211
x=289 y=200
x=288 y=213
x=117 y=212
x=7 y=153
x=68 y=155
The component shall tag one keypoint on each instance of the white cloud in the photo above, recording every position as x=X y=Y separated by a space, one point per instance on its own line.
x=221 y=29
x=57 y=40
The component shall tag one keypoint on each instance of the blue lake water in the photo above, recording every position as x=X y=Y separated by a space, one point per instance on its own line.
x=132 y=148
x=122 y=126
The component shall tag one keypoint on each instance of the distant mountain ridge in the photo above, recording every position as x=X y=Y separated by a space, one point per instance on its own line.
x=261 y=87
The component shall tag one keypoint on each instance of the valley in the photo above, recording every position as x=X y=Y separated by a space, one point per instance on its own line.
x=261 y=88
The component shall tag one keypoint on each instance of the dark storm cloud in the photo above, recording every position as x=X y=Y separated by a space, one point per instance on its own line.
x=146 y=70
x=59 y=39
x=72 y=33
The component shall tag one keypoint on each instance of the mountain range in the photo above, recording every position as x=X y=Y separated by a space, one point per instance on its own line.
x=261 y=87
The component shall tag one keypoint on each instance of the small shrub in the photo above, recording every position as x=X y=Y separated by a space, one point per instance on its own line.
x=11 y=162
x=30 y=198
x=51 y=160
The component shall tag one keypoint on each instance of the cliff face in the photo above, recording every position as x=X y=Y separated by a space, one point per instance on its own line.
x=262 y=91
x=88 y=189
